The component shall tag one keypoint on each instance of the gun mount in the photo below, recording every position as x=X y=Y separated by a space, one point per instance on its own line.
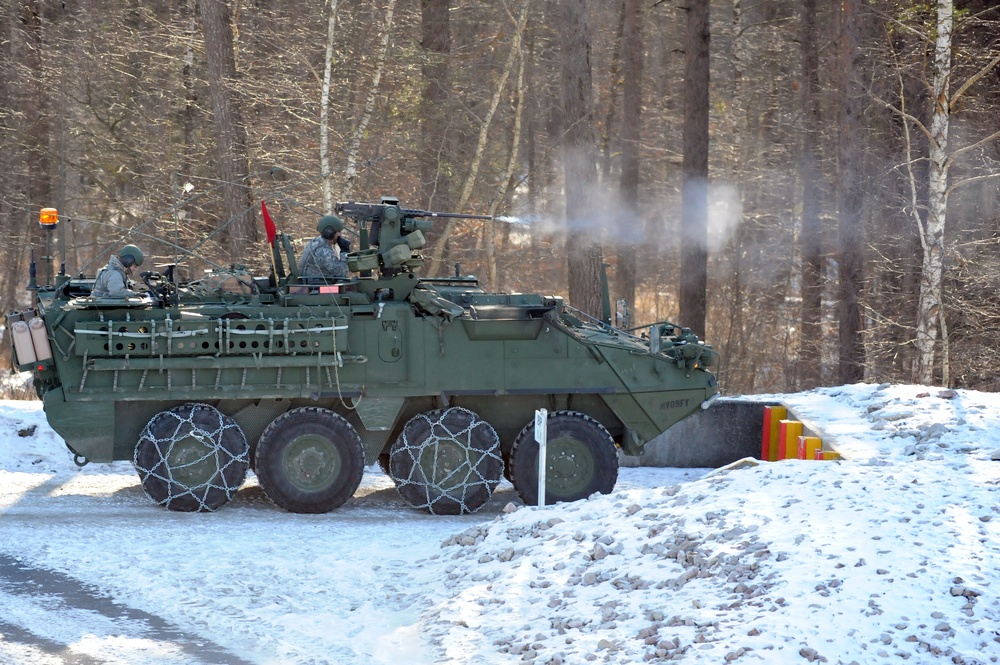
x=390 y=234
x=437 y=380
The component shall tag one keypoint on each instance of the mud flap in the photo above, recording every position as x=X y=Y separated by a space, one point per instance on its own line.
x=83 y=425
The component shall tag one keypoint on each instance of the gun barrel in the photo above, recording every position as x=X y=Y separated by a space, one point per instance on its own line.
x=374 y=211
x=446 y=215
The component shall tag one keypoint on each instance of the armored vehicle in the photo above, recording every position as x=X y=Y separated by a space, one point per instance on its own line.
x=307 y=382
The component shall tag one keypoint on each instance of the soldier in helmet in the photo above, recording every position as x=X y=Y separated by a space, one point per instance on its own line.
x=325 y=257
x=113 y=280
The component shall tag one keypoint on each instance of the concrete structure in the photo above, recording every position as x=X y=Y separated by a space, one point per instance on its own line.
x=727 y=431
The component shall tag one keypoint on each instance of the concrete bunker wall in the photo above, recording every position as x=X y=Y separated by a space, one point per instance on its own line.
x=727 y=431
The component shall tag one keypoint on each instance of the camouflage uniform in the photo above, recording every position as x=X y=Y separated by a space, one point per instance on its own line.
x=319 y=260
x=112 y=281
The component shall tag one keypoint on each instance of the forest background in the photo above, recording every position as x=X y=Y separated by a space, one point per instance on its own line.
x=811 y=185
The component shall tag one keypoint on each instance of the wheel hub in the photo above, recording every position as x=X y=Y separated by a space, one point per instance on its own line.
x=443 y=464
x=311 y=463
x=569 y=466
x=191 y=460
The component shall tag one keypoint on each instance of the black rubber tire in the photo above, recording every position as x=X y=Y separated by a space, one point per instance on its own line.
x=191 y=458
x=310 y=460
x=383 y=463
x=505 y=456
x=581 y=457
x=446 y=461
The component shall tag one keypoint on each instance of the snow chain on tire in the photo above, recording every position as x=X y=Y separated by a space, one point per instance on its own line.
x=446 y=461
x=191 y=458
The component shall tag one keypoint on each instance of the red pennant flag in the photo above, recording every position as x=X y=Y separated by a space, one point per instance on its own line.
x=272 y=231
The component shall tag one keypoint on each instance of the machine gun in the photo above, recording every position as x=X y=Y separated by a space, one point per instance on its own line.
x=393 y=233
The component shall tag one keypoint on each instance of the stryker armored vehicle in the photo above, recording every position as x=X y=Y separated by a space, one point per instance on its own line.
x=306 y=383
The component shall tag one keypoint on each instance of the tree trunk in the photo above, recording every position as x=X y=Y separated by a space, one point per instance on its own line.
x=850 y=197
x=493 y=280
x=359 y=131
x=694 y=216
x=324 y=110
x=436 y=43
x=579 y=161
x=230 y=132
x=631 y=234
x=26 y=180
x=932 y=234
x=810 y=240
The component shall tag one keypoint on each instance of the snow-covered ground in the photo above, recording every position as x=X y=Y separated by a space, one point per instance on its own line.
x=891 y=555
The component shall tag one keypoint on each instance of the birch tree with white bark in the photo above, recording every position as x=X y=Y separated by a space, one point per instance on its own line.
x=930 y=321
x=324 y=110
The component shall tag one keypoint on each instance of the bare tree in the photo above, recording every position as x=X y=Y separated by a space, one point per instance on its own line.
x=324 y=109
x=436 y=43
x=26 y=181
x=579 y=160
x=490 y=230
x=850 y=196
x=437 y=250
x=930 y=319
x=810 y=240
x=230 y=132
x=694 y=217
x=631 y=134
x=353 y=152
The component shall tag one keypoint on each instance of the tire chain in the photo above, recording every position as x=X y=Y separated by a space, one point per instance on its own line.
x=187 y=427
x=468 y=468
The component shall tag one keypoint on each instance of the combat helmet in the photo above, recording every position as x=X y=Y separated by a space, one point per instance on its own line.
x=130 y=255
x=331 y=222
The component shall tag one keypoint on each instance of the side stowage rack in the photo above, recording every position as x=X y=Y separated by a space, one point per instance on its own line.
x=168 y=337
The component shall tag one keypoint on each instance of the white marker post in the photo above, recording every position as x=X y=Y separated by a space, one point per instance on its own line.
x=541 y=431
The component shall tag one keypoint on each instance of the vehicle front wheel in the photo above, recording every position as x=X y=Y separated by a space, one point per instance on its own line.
x=580 y=459
x=310 y=460
x=191 y=458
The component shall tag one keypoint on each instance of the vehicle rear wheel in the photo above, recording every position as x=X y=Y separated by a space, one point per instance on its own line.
x=446 y=461
x=191 y=458
x=310 y=460
x=580 y=459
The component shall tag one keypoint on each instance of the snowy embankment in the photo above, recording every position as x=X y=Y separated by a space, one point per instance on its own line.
x=890 y=555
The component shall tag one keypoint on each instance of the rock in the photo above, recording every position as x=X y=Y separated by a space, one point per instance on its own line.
x=809 y=654
x=947 y=394
x=510 y=507
x=936 y=430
